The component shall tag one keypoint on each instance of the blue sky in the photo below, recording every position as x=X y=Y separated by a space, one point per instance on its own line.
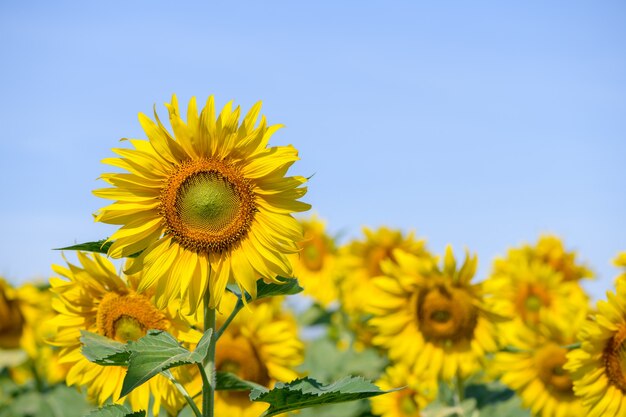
x=480 y=124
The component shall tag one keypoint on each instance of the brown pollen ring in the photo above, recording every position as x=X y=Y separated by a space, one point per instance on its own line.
x=221 y=237
x=613 y=357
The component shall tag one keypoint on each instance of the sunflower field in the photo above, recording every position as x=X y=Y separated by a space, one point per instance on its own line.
x=220 y=295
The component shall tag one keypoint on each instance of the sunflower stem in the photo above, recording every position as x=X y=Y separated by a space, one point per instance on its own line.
x=208 y=389
x=230 y=318
x=460 y=391
x=183 y=391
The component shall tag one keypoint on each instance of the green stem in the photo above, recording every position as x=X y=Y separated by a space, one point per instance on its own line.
x=184 y=392
x=208 y=388
x=460 y=391
x=230 y=318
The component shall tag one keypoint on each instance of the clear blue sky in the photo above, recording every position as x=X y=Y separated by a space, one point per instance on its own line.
x=480 y=124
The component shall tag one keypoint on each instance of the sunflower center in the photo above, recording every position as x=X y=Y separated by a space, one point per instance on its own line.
x=407 y=404
x=550 y=361
x=208 y=206
x=376 y=255
x=615 y=358
x=128 y=317
x=236 y=354
x=446 y=314
x=312 y=254
x=531 y=298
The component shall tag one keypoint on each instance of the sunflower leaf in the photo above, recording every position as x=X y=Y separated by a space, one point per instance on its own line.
x=99 y=246
x=156 y=352
x=287 y=286
x=307 y=392
x=225 y=381
x=116 y=410
x=102 y=350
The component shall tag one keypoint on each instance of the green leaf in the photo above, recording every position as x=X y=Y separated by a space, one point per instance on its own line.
x=115 y=410
x=225 y=381
x=288 y=286
x=156 y=352
x=102 y=350
x=307 y=392
x=99 y=246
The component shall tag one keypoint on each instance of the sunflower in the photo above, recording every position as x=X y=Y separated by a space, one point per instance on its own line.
x=532 y=292
x=432 y=318
x=420 y=391
x=207 y=204
x=259 y=345
x=536 y=370
x=315 y=265
x=360 y=261
x=620 y=262
x=551 y=251
x=598 y=367
x=11 y=317
x=35 y=304
x=95 y=298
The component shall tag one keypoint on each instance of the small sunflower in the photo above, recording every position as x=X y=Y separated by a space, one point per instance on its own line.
x=315 y=265
x=599 y=367
x=551 y=251
x=360 y=261
x=532 y=293
x=620 y=262
x=208 y=204
x=11 y=317
x=95 y=298
x=537 y=371
x=260 y=345
x=433 y=318
x=35 y=304
x=420 y=391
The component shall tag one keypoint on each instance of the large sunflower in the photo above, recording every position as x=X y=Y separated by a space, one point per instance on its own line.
x=536 y=370
x=93 y=297
x=432 y=318
x=315 y=265
x=599 y=367
x=208 y=204
x=419 y=391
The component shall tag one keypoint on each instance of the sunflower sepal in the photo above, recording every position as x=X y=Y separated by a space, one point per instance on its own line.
x=307 y=392
x=157 y=352
x=116 y=410
x=102 y=350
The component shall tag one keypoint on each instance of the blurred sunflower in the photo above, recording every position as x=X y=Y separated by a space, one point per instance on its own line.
x=11 y=318
x=532 y=292
x=432 y=318
x=620 y=262
x=537 y=371
x=420 y=391
x=315 y=265
x=598 y=367
x=93 y=297
x=551 y=251
x=260 y=346
x=35 y=304
x=212 y=197
x=359 y=262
